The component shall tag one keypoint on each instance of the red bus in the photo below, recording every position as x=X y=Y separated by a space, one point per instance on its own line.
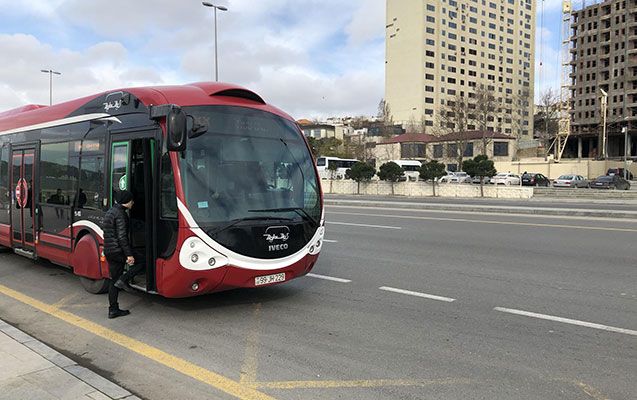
x=225 y=187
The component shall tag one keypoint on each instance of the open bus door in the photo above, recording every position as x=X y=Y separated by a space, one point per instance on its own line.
x=133 y=167
x=22 y=200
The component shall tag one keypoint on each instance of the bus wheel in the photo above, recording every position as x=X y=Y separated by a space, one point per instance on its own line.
x=95 y=286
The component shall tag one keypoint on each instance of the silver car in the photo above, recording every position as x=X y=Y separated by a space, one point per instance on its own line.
x=571 y=181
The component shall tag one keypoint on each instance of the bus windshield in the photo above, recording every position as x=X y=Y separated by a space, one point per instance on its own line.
x=249 y=165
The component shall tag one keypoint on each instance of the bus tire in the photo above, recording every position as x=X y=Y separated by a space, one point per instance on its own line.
x=95 y=286
x=86 y=264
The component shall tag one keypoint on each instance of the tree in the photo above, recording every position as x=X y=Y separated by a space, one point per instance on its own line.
x=546 y=121
x=360 y=172
x=453 y=118
x=432 y=170
x=314 y=147
x=480 y=166
x=485 y=107
x=384 y=112
x=391 y=172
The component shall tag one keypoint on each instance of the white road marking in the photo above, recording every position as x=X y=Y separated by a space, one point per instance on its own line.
x=329 y=278
x=365 y=225
x=567 y=321
x=417 y=294
x=330 y=241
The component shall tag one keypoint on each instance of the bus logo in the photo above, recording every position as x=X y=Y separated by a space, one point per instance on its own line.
x=276 y=236
x=274 y=233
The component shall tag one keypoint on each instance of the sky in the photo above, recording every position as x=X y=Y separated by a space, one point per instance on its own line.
x=311 y=58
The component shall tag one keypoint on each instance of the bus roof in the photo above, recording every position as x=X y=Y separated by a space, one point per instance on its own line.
x=194 y=94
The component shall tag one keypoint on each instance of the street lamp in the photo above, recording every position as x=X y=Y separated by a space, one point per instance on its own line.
x=221 y=8
x=50 y=72
x=604 y=104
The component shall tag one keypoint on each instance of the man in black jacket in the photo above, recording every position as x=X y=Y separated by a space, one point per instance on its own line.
x=118 y=251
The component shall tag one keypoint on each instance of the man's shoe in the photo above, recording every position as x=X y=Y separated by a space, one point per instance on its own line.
x=117 y=313
x=120 y=284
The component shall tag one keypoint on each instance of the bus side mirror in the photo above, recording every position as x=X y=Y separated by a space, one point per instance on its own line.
x=176 y=130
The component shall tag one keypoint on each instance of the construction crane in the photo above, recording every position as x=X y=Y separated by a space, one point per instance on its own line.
x=564 y=129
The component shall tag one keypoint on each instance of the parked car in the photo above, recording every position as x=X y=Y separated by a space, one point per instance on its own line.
x=572 y=181
x=505 y=178
x=476 y=179
x=455 y=177
x=610 y=182
x=620 y=172
x=535 y=179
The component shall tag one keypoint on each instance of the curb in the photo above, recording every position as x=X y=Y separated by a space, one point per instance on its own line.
x=99 y=383
x=487 y=209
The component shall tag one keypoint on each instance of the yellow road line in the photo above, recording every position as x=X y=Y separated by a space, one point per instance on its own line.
x=251 y=360
x=592 y=228
x=591 y=391
x=365 y=383
x=63 y=301
x=217 y=381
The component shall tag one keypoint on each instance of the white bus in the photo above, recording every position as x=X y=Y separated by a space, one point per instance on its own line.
x=411 y=167
x=342 y=165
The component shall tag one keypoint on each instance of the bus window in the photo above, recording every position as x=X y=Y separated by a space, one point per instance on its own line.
x=320 y=162
x=168 y=197
x=119 y=168
x=91 y=183
x=4 y=185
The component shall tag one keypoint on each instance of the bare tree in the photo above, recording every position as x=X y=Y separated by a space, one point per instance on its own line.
x=384 y=112
x=547 y=117
x=453 y=119
x=484 y=111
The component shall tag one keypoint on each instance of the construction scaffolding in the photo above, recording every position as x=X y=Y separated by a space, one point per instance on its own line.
x=564 y=129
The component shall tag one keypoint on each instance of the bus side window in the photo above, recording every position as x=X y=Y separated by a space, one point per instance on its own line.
x=4 y=184
x=168 y=196
x=320 y=162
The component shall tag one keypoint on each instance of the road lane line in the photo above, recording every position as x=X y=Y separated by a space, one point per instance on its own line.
x=330 y=241
x=417 y=294
x=567 y=321
x=189 y=369
x=329 y=278
x=251 y=357
x=364 y=225
x=592 y=228
x=373 y=383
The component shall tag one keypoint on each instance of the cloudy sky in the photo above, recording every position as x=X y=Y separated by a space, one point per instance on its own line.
x=312 y=58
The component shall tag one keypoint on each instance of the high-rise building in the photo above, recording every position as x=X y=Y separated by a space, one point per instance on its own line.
x=437 y=50
x=604 y=62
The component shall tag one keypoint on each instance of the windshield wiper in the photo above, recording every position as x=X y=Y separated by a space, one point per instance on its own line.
x=299 y=210
x=239 y=220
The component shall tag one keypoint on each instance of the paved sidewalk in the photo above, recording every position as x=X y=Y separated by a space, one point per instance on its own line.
x=29 y=369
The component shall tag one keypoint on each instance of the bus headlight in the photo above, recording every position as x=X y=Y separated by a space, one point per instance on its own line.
x=197 y=255
x=317 y=242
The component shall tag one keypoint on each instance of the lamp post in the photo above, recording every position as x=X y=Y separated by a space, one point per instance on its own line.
x=221 y=8
x=50 y=72
x=604 y=104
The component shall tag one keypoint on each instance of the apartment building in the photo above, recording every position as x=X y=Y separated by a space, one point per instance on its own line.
x=439 y=49
x=604 y=60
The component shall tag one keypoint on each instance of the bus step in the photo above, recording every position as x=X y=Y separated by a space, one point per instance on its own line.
x=25 y=253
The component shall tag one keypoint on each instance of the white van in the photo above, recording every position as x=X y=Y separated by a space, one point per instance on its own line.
x=411 y=167
x=342 y=165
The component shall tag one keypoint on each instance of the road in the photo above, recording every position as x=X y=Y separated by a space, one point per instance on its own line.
x=403 y=304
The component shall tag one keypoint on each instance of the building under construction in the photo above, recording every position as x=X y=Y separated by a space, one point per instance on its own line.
x=603 y=80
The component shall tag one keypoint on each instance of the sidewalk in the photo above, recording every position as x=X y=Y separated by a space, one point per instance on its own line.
x=29 y=369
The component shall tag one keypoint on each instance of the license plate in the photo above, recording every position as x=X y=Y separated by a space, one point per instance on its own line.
x=264 y=280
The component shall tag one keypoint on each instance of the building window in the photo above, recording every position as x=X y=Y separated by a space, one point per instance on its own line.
x=500 y=149
x=412 y=150
x=468 y=150
x=437 y=151
x=452 y=150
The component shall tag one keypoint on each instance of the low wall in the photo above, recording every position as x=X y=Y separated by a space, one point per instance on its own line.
x=424 y=189
x=589 y=169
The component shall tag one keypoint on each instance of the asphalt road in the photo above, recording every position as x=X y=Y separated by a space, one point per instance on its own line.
x=402 y=305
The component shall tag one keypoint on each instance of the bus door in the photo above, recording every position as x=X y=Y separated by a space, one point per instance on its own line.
x=22 y=200
x=133 y=166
